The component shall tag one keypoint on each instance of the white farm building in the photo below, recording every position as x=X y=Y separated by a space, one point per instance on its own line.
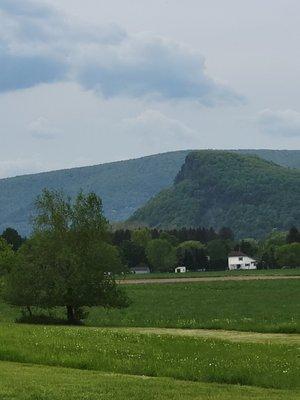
x=180 y=270
x=239 y=260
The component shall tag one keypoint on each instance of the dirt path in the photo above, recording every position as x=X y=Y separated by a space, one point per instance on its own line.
x=234 y=336
x=204 y=279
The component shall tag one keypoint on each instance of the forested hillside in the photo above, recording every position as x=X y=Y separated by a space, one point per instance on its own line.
x=218 y=188
x=124 y=186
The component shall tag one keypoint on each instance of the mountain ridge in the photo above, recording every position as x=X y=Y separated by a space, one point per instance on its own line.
x=250 y=195
x=123 y=185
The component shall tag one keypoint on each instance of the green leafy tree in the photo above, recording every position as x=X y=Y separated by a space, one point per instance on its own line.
x=161 y=255
x=170 y=238
x=268 y=248
x=68 y=260
x=289 y=255
x=141 y=237
x=218 y=252
x=7 y=257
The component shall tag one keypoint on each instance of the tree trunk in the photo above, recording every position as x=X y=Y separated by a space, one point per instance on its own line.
x=71 y=314
x=29 y=311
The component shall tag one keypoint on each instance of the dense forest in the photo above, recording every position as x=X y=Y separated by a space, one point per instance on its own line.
x=218 y=188
x=124 y=186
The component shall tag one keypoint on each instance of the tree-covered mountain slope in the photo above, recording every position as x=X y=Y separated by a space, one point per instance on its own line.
x=124 y=186
x=250 y=195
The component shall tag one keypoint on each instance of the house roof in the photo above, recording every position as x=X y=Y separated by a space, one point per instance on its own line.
x=237 y=254
x=140 y=269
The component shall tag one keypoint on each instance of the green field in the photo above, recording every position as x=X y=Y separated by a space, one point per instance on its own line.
x=261 y=306
x=32 y=382
x=204 y=274
x=136 y=354
x=269 y=365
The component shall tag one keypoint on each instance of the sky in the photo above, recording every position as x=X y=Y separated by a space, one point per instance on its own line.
x=84 y=83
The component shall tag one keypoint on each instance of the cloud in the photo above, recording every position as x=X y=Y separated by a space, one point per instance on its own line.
x=42 y=128
x=151 y=131
x=38 y=45
x=280 y=123
x=20 y=166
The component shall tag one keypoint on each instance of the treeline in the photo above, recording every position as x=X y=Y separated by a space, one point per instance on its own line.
x=196 y=248
x=201 y=248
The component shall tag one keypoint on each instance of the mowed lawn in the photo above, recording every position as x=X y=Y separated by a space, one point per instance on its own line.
x=187 y=358
x=35 y=382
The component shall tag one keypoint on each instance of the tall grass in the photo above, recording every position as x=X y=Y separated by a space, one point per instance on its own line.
x=186 y=358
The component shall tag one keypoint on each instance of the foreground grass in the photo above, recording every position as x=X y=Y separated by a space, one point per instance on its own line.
x=204 y=274
x=186 y=358
x=262 y=306
x=32 y=382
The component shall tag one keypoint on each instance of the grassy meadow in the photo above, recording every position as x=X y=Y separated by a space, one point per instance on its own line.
x=185 y=358
x=261 y=306
x=32 y=382
x=113 y=358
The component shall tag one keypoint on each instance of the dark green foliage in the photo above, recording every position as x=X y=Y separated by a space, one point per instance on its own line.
x=13 y=238
x=7 y=257
x=218 y=252
x=132 y=254
x=289 y=255
x=293 y=235
x=226 y=234
x=123 y=186
x=248 y=246
x=193 y=255
x=218 y=188
x=120 y=235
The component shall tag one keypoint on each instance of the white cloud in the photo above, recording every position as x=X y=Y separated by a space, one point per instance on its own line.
x=42 y=128
x=38 y=45
x=280 y=123
x=19 y=167
x=152 y=132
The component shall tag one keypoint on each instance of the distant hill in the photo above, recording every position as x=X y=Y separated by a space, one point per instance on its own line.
x=219 y=188
x=124 y=186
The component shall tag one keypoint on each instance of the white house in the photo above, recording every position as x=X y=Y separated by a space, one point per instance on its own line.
x=239 y=260
x=180 y=270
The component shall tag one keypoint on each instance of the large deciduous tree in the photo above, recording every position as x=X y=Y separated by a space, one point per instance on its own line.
x=161 y=255
x=289 y=255
x=68 y=261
